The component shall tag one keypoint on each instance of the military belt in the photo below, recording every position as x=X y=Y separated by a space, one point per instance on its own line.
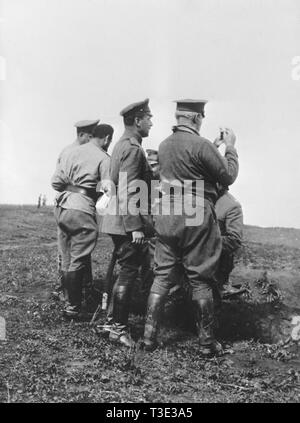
x=91 y=193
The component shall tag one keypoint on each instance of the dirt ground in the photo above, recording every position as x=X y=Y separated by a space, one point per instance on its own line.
x=46 y=359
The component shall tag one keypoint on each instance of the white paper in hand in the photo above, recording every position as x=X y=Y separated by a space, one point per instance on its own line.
x=295 y=335
x=102 y=203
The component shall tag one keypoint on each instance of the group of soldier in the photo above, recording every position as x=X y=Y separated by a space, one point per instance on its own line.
x=42 y=201
x=201 y=254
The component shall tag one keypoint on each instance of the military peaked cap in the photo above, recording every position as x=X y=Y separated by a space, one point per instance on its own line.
x=196 y=106
x=141 y=107
x=87 y=125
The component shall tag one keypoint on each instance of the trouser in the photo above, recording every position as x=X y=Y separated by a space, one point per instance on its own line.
x=198 y=248
x=226 y=265
x=77 y=238
x=88 y=273
x=130 y=257
x=147 y=267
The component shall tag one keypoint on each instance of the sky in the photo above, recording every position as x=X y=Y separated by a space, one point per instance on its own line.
x=67 y=60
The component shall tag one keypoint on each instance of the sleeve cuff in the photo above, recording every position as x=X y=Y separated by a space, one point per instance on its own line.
x=231 y=149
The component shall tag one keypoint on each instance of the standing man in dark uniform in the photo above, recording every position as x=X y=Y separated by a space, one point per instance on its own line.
x=127 y=229
x=186 y=156
x=76 y=178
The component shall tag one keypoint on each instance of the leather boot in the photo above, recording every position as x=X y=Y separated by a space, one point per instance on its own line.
x=109 y=321
x=64 y=285
x=87 y=287
x=120 y=304
x=73 y=284
x=110 y=312
x=59 y=292
x=119 y=331
x=154 y=307
x=204 y=310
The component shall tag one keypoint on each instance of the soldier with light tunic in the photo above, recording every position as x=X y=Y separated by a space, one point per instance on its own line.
x=84 y=130
x=76 y=178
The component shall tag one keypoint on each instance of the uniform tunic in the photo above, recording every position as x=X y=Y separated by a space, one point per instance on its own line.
x=187 y=156
x=127 y=157
x=84 y=166
x=230 y=218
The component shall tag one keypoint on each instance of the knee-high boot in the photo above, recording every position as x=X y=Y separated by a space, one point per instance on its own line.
x=120 y=312
x=73 y=285
x=87 y=287
x=120 y=306
x=154 y=309
x=204 y=311
x=59 y=292
x=63 y=280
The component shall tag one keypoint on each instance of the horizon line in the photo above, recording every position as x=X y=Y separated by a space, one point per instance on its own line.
x=245 y=224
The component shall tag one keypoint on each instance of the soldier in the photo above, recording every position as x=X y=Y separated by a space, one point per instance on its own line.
x=76 y=178
x=186 y=156
x=128 y=230
x=39 y=201
x=230 y=217
x=84 y=130
x=44 y=200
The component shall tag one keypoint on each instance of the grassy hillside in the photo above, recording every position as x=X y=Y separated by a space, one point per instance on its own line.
x=46 y=359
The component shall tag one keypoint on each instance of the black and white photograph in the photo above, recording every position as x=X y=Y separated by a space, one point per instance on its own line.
x=149 y=204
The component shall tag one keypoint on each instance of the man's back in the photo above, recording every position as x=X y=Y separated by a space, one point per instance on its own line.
x=230 y=218
x=68 y=148
x=187 y=156
x=225 y=204
x=178 y=156
x=84 y=166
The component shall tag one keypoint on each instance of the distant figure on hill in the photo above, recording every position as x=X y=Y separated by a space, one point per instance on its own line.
x=44 y=203
x=39 y=201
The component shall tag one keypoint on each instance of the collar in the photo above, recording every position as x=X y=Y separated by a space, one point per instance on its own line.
x=98 y=147
x=129 y=134
x=185 y=128
x=104 y=151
